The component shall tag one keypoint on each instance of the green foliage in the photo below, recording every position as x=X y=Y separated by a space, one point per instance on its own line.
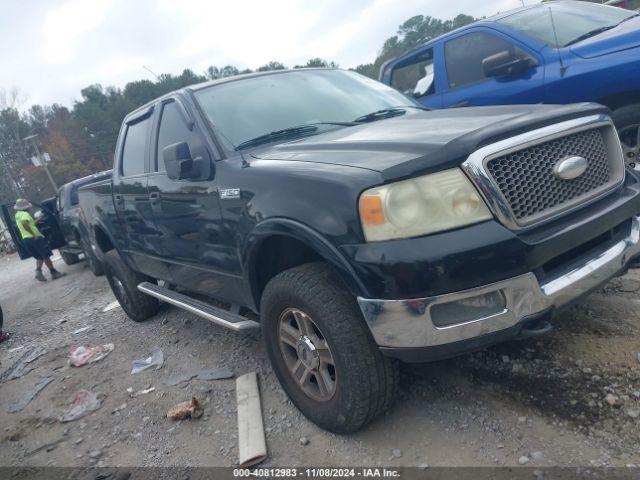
x=317 y=63
x=271 y=66
x=411 y=34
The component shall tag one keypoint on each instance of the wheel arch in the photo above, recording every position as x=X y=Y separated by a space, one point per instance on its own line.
x=102 y=238
x=618 y=100
x=276 y=245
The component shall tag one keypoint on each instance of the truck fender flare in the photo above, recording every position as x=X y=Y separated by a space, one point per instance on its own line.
x=309 y=237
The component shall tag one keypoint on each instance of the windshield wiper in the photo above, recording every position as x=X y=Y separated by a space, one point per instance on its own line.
x=378 y=114
x=387 y=113
x=590 y=34
x=288 y=132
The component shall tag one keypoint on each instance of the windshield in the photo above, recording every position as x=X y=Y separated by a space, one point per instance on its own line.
x=572 y=20
x=248 y=108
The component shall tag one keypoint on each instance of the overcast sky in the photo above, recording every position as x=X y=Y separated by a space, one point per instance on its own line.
x=52 y=49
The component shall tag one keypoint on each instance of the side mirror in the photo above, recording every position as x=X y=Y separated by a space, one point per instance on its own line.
x=179 y=164
x=506 y=63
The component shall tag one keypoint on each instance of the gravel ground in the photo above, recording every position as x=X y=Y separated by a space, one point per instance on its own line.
x=570 y=398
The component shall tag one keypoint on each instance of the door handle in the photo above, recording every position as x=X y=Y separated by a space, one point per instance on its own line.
x=119 y=199
x=460 y=104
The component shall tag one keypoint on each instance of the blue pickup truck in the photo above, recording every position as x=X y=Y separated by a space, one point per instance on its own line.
x=556 y=52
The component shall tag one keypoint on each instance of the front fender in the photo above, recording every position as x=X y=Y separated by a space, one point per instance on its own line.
x=308 y=236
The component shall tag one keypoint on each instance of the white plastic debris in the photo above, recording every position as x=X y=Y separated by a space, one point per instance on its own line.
x=84 y=402
x=155 y=359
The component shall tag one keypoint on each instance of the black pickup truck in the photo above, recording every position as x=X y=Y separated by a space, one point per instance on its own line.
x=356 y=227
x=68 y=219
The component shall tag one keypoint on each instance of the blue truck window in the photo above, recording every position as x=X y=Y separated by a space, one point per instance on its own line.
x=133 y=152
x=417 y=78
x=464 y=56
x=571 y=21
x=172 y=130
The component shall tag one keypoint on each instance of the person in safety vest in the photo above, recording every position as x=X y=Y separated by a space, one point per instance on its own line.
x=34 y=241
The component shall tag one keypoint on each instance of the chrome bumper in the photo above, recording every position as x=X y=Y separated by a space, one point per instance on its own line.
x=408 y=323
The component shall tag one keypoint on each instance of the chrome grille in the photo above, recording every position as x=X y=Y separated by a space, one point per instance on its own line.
x=526 y=179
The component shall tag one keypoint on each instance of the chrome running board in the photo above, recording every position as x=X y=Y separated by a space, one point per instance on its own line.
x=216 y=315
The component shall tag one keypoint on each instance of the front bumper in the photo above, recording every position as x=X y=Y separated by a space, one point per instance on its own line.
x=409 y=324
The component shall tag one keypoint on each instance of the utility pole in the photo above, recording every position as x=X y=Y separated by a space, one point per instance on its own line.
x=42 y=160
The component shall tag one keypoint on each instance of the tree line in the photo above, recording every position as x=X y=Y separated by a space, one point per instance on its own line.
x=81 y=140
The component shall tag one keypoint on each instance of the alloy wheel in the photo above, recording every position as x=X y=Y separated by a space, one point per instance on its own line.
x=306 y=354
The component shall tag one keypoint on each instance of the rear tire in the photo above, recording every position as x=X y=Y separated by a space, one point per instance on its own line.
x=69 y=258
x=124 y=284
x=95 y=265
x=362 y=383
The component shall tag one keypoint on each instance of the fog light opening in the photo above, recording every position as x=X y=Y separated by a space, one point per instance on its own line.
x=468 y=309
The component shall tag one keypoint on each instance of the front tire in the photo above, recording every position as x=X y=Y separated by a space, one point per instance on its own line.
x=322 y=351
x=124 y=284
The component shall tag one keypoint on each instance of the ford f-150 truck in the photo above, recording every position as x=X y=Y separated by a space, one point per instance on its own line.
x=552 y=52
x=356 y=227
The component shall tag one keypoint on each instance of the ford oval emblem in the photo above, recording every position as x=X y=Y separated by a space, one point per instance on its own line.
x=570 y=167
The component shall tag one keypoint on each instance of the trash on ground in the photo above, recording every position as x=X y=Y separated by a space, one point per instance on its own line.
x=214 y=374
x=121 y=407
x=16 y=349
x=186 y=409
x=21 y=366
x=29 y=396
x=4 y=336
x=47 y=446
x=252 y=446
x=83 y=329
x=178 y=378
x=83 y=403
x=155 y=359
x=201 y=374
x=111 y=306
x=133 y=394
x=83 y=354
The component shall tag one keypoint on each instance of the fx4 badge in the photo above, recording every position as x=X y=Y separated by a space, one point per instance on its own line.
x=229 y=193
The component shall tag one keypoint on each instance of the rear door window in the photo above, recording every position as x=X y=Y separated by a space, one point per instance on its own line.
x=134 y=149
x=464 y=56
x=173 y=129
x=416 y=78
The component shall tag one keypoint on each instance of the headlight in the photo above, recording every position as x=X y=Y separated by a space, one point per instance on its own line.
x=431 y=203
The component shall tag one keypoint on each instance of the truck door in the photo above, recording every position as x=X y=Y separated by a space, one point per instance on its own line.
x=187 y=212
x=47 y=224
x=469 y=83
x=131 y=196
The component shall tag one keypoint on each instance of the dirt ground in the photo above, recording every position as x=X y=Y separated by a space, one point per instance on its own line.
x=570 y=398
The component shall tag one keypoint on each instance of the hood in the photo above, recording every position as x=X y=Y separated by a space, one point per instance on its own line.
x=623 y=37
x=419 y=140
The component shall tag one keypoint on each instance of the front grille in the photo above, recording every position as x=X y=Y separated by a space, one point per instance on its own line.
x=527 y=181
